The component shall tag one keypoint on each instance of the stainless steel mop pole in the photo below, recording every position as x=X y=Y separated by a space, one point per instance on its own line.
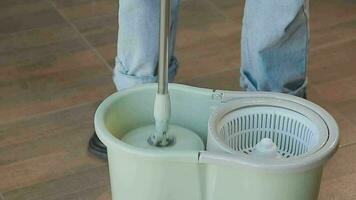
x=162 y=107
x=164 y=47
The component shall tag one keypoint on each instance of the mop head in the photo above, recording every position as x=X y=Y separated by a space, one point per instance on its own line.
x=184 y=139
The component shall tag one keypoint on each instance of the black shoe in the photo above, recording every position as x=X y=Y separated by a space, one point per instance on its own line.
x=97 y=147
x=305 y=96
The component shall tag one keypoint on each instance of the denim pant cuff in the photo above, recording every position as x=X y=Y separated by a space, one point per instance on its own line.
x=124 y=81
x=300 y=91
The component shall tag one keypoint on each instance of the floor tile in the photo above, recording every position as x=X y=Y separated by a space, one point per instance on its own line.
x=332 y=35
x=226 y=80
x=25 y=21
x=200 y=20
x=47 y=68
x=231 y=8
x=12 y=8
x=99 y=30
x=325 y=13
x=342 y=188
x=63 y=82
x=71 y=3
x=87 y=9
x=339 y=175
x=207 y=42
x=87 y=184
x=332 y=63
x=208 y=57
x=97 y=192
x=342 y=164
x=45 y=134
x=101 y=33
x=37 y=150
x=339 y=90
x=108 y=52
x=48 y=39
x=348 y=109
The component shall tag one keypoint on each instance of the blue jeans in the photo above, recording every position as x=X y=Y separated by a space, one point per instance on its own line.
x=274 y=44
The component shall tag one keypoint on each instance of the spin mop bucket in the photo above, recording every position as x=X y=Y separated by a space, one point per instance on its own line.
x=189 y=143
x=260 y=146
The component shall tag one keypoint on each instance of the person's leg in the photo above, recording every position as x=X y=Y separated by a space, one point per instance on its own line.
x=274 y=46
x=138 y=42
x=138 y=47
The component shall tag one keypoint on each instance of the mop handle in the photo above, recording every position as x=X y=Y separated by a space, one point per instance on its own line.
x=162 y=105
x=164 y=47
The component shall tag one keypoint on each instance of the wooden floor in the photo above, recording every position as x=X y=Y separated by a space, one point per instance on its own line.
x=56 y=59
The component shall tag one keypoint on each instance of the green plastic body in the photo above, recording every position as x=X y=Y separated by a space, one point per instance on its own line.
x=148 y=174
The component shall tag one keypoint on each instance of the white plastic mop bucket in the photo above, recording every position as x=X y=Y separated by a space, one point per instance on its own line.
x=305 y=137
